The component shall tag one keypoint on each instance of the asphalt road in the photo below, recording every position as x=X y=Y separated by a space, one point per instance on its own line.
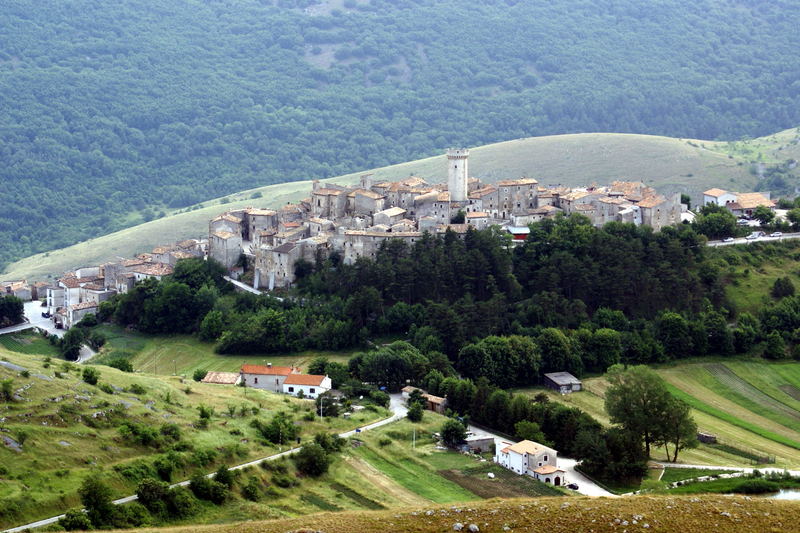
x=34 y=319
x=396 y=406
x=744 y=240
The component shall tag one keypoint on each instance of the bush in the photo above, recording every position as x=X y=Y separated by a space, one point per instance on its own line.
x=379 y=398
x=756 y=486
x=283 y=480
x=121 y=364
x=453 y=432
x=7 y=390
x=208 y=489
x=252 y=490
x=415 y=412
x=96 y=499
x=312 y=460
x=204 y=457
x=224 y=476
x=329 y=442
x=199 y=374
x=181 y=503
x=105 y=387
x=153 y=495
x=75 y=520
x=96 y=340
x=91 y=375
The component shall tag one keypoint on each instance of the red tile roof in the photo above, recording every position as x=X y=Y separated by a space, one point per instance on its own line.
x=304 y=379
x=267 y=370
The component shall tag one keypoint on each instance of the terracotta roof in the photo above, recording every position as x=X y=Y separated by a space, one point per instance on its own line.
x=70 y=283
x=224 y=235
x=443 y=197
x=226 y=216
x=477 y=214
x=529 y=447
x=521 y=181
x=290 y=207
x=188 y=243
x=261 y=212
x=291 y=224
x=182 y=255
x=221 y=378
x=94 y=287
x=715 y=192
x=132 y=262
x=304 y=379
x=326 y=191
x=652 y=201
x=364 y=192
x=458 y=228
x=629 y=187
x=267 y=370
x=317 y=220
x=434 y=399
x=83 y=305
x=154 y=269
x=363 y=233
x=751 y=200
x=431 y=196
x=161 y=249
x=392 y=212
x=548 y=469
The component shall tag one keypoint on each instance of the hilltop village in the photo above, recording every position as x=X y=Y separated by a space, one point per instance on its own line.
x=354 y=221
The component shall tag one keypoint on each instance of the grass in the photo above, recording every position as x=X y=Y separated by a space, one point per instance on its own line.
x=28 y=342
x=67 y=439
x=672 y=475
x=726 y=486
x=183 y=354
x=723 y=408
x=663 y=162
x=661 y=513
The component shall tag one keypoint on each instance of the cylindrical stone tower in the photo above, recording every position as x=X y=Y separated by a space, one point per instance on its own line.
x=457 y=173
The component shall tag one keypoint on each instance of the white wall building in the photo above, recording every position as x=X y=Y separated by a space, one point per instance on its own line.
x=267 y=377
x=531 y=458
x=310 y=385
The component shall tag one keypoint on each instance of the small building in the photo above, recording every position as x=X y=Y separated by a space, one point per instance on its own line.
x=518 y=233
x=479 y=443
x=76 y=312
x=222 y=378
x=530 y=458
x=266 y=377
x=562 y=382
x=310 y=385
x=437 y=404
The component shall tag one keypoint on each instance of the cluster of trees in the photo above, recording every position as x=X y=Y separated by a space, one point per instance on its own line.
x=12 y=311
x=103 y=129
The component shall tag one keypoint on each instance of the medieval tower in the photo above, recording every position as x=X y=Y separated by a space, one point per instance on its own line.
x=457 y=173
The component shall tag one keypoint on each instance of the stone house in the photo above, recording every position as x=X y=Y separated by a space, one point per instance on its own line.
x=562 y=382
x=478 y=219
x=310 y=385
x=389 y=217
x=20 y=289
x=530 y=458
x=225 y=247
x=77 y=311
x=266 y=377
x=517 y=196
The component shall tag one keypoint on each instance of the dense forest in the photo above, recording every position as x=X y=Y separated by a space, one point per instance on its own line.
x=114 y=111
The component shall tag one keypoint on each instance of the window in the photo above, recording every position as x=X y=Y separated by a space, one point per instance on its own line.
x=255 y=381
x=277 y=381
x=540 y=463
x=291 y=389
x=312 y=390
x=545 y=458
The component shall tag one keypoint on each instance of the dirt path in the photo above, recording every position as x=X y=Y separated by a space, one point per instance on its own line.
x=382 y=482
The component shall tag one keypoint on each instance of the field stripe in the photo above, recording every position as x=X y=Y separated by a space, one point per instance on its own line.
x=722 y=415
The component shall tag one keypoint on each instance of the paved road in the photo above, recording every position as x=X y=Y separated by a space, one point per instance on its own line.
x=34 y=319
x=743 y=240
x=396 y=405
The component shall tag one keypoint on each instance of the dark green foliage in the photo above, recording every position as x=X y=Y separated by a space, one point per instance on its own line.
x=252 y=489
x=415 y=412
x=715 y=222
x=756 y=486
x=379 y=398
x=90 y=375
x=12 y=309
x=75 y=520
x=199 y=374
x=782 y=287
x=7 y=390
x=312 y=460
x=207 y=489
x=96 y=340
x=224 y=476
x=96 y=499
x=329 y=442
x=211 y=327
x=775 y=347
x=279 y=430
x=181 y=503
x=153 y=495
x=453 y=432
x=121 y=364
x=70 y=344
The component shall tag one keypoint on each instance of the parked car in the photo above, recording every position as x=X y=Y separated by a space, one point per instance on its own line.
x=776 y=234
x=572 y=486
x=742 y=222
x=755 y=235
x=727 y=239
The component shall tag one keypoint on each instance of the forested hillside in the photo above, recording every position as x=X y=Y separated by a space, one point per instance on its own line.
x=115 y=111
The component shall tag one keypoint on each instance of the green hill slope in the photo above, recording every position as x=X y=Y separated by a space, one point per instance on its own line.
x=579 y=159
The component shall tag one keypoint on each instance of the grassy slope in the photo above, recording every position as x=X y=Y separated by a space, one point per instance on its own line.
x=741 y=427
x=47 y=472
x=578 y=159
x=661 y=513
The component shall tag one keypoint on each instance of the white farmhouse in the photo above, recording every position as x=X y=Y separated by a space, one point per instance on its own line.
x=531 y=458
x=310 y=385
x=266 y=377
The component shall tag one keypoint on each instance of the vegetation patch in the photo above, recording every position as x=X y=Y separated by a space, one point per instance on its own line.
x=359 y=499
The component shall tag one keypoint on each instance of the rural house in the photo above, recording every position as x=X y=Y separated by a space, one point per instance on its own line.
x=310 y=385
x=267 y=377
x=531 y=458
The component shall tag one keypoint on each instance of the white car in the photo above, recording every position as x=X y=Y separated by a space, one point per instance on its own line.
x=727 y=239
x=776 y=234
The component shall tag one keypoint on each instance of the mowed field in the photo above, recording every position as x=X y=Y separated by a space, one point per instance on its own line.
x=183 y=354
x=578 y=159
x=753 y=407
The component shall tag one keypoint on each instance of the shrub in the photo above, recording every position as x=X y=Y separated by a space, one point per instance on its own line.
x=384 y=442
x=329 y=442
x=204 y=457
x=199 y=374
x=756 y=486
x=379 y=398
x=136 y=389
x=181 y=503
x=121 y=364
x=7 y=390
x=75 y=520
x=105 y=387
x=415 y=413
x=453 y=432
x=96 y=498
x=312 y=460
x=284 y=480
x=208 y=489
x=224 y=476
x=205 y=411
x=91 y=375
x=153 y=495
x=252 y=490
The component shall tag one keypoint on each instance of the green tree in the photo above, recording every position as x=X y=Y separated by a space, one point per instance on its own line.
x=91 y=375
x=12 y=310
x=415 y=412
x=96 y=499
x=793 y=215
x=764 y=214
x=453 y=432
x=782 y=287
x=678 y=429
x=75 y=520
x=199 y=374
x=211 y=326
x=529 y=430
x=312 y=460
x=775 y=347
x=637 y=399
x=71 y=343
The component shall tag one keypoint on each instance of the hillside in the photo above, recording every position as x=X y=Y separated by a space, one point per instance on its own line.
x=657 y=513
x=665 y=163
x=116 y=111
